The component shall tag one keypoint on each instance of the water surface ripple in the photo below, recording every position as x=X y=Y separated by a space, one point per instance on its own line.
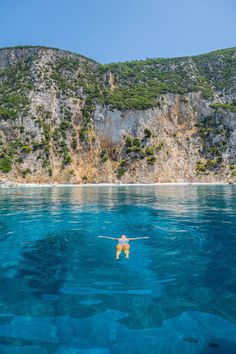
x=63 y=292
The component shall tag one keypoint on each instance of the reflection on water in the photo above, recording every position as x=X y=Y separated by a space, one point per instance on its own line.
x=62 y=291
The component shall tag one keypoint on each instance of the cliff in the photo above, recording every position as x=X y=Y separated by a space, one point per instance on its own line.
x=66 y=118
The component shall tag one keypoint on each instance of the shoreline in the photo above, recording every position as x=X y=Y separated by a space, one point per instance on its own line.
x=43 y=185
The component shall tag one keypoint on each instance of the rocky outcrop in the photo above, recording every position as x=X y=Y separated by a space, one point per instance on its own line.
x=61 y=121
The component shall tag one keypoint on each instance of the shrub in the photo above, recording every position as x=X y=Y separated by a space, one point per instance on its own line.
x=120 y=172
x=65 y=124
x=147 y=133
x=5 y=164
x=104 y=155
x=87 y=116
x=26 y=172
x=84 y=134
x=136 y=142
x=219 y=159
x=128 y=141
x=46 y=163
x=74 y=144
x=213 y=150
x=66 y=160
x=160 y=146
x=46 y=132
x=149 y=151
x=225 y=106
x=151 y=160
x=26 y=148
x=213 y=163
x=7 y=113
x=200 y=167
x=136 y=149
x=19 y=160
x=67 y=115
x=63 y=134
x=122 y=163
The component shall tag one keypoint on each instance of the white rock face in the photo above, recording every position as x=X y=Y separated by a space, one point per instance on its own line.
x=116 y=124
x=184 y=130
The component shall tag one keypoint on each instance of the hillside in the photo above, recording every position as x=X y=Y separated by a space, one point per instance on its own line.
x=67 y=118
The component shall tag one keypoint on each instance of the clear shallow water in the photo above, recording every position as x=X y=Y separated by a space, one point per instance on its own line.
x=62 y=291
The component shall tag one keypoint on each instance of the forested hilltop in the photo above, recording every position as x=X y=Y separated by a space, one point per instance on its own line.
x=67 y=118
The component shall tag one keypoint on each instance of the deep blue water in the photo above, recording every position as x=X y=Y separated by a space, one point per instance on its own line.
x=62 y=291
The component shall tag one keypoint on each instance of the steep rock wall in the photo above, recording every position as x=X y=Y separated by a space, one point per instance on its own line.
x=63 y=133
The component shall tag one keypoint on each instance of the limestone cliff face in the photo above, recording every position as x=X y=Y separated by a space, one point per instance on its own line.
x=174 y=128
x=65 y=118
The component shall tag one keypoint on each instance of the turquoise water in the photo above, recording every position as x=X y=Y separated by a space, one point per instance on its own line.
x=63 y=292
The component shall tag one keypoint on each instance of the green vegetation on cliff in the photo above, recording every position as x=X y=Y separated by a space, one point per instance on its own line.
x=136 y=84
x=52 y=101
x=139 y=83
x=5 y=163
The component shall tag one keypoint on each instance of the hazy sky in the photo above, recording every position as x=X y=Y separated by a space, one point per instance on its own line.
x=118 y=30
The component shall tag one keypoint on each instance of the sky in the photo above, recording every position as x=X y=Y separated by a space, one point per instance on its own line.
x=120 y=30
